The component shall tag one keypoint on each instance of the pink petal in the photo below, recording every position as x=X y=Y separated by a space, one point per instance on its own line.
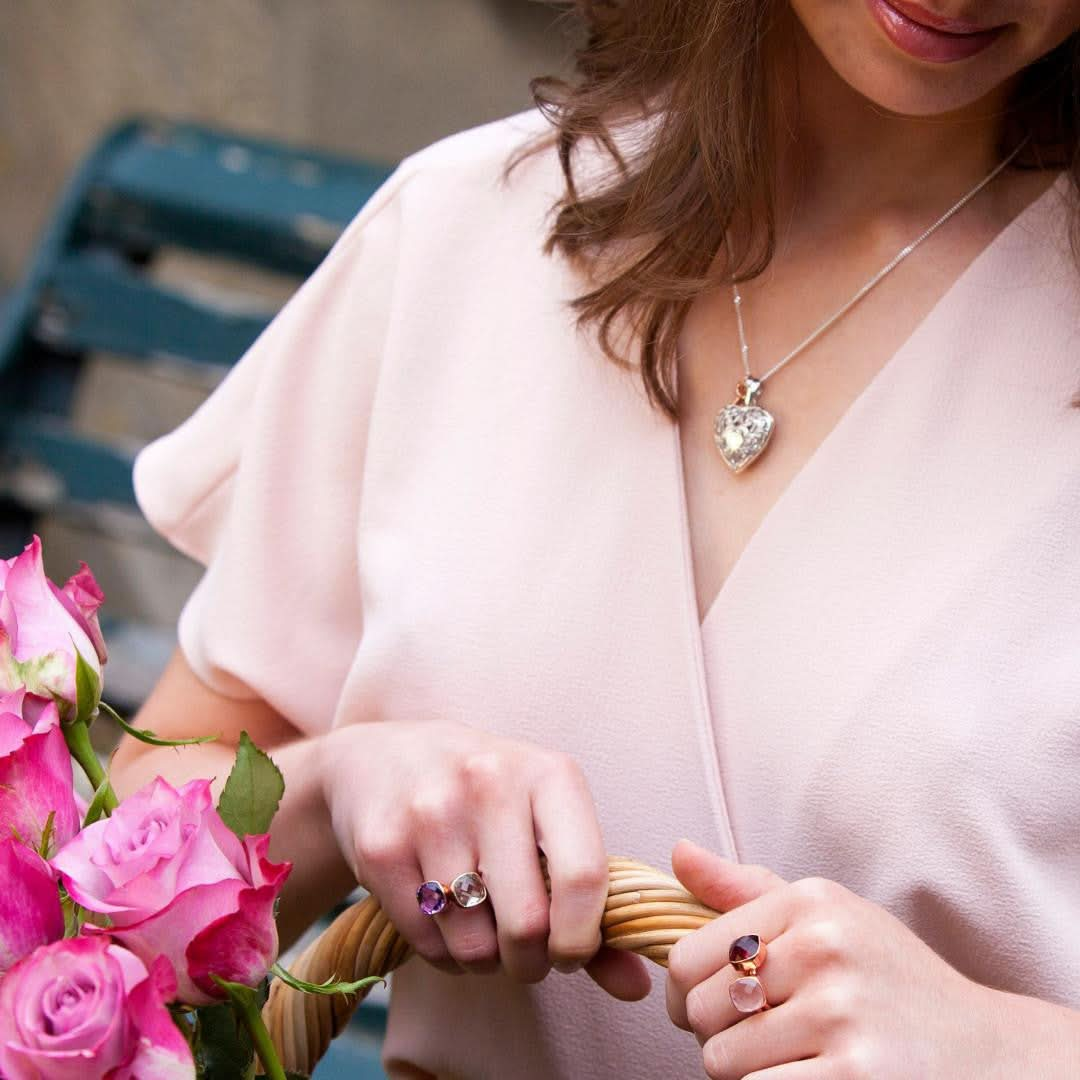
x=169 y=932
x=163 y=1052
x=82 y=596
x=35 y=779
x=30 y=912
x=239 y=947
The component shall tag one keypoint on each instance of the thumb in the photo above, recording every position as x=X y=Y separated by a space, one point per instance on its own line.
x=720 y=883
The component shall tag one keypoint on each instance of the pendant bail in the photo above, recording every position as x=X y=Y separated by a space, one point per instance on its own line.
x=748 y=390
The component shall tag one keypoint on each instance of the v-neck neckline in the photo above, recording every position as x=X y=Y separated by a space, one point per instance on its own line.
x=887 y=373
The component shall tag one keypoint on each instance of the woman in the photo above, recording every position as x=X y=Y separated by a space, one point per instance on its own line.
x=427 y=497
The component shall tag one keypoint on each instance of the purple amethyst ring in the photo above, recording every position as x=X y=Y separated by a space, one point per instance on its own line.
x=466 y=890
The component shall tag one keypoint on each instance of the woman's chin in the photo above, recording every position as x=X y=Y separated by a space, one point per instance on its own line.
x=914 y=98
x=899 y=85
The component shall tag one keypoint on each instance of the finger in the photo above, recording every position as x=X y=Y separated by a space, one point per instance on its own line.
x=510 y=865
x=446 y=849
x=708 y=1008
x=622 y=974
x=807 y=1069
x=393 y=881
x=762 y=1042
x=704 y=952
x=568 y=833
x=718 y=882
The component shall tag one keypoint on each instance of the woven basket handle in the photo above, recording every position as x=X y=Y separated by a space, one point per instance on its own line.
x=646 y=913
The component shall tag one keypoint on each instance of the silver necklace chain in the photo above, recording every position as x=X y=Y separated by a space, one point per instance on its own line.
x=887 y=269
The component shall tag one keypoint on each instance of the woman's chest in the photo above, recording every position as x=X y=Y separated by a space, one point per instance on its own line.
x=886 y=690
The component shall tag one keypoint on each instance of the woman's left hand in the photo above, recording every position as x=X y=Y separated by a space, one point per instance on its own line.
x=854 y=994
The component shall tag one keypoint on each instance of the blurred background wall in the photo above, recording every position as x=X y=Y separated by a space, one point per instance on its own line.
x=375 y=78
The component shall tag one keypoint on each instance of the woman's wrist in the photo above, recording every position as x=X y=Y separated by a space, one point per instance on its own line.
x=304 y=831
x=1034 y=1037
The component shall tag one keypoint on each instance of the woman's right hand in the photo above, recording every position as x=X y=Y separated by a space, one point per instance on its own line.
x=413 y=802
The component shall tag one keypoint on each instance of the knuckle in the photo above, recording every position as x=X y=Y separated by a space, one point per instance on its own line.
x=697 y=1009
x=815 y=892
x=485 y=773
x=679 y=964
x=584 y=880
x=834 y=1005
x=434 y=805
x=573 y=953
x=858 y=1061
x=828 y=942
x=479 y=949
x=528 y=925
x=717 y=1060
x=433 y=950
x=381 y=849
x=561 y=765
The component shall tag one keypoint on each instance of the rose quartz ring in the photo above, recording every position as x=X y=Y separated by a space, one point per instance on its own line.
x=747 y=954
x=466 y=890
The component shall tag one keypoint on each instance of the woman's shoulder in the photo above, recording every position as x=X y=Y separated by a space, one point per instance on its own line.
x=480 y=149
x=463 y=179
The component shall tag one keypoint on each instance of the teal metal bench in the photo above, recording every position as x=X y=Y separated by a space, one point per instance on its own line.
x=152 y=186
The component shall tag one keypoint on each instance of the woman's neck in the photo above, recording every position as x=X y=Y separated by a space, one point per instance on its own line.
x=841 y=159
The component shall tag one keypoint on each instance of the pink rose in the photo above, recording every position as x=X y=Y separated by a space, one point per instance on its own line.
x=42 y=627
x=30 y=912
x=175 y=881
x=85 y=1009
x=35 y=771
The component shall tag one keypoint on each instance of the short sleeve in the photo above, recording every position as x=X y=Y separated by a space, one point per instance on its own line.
x=263 y=483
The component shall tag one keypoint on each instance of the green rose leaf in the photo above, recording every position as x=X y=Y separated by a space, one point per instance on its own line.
x=330 y=987
x=253 y=791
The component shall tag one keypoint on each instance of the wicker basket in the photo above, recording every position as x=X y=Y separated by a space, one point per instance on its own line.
x=646 y=913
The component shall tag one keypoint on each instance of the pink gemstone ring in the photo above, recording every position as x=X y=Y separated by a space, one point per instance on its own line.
x=747 y=954
x=466 y=890
x=748 y=995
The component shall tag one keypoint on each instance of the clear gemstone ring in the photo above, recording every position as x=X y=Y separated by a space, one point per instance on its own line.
x=466 y=890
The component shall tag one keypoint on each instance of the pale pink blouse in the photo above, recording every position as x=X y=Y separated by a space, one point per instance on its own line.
x=423 y=493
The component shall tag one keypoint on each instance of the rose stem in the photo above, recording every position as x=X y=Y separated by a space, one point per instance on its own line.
x=77 y=735
x=245 y=1001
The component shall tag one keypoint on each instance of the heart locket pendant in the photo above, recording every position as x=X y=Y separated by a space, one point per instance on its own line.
x=742 y=429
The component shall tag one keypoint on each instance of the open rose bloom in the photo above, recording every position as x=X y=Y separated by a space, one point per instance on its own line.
x=85 y=1009
x=114 y=929
x=176 y=882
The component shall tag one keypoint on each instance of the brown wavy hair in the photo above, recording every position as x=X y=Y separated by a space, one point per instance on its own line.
x=650 y=232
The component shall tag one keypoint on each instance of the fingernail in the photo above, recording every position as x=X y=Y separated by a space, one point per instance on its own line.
x=566 y=967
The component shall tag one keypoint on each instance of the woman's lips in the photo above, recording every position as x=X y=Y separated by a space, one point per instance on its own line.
x=930 y=37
